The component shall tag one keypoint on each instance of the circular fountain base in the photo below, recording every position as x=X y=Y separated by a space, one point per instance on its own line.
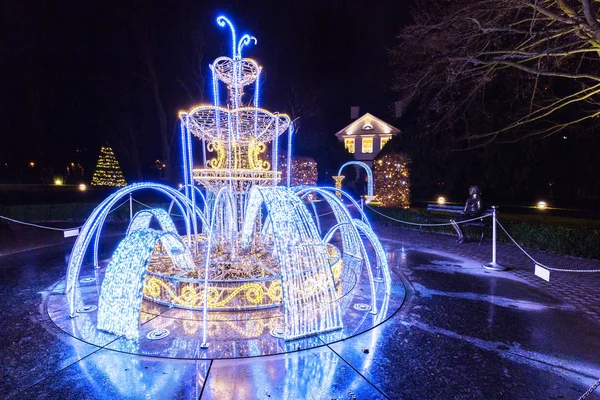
x=231 y=334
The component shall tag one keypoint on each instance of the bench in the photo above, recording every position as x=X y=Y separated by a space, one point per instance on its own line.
x=439 y=213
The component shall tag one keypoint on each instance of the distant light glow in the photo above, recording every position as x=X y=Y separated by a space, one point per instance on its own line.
x=542 y=205
x=58 y=181
x=82 y=187
x=441 y=200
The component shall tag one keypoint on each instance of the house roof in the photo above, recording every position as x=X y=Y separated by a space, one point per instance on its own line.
x=368 y=124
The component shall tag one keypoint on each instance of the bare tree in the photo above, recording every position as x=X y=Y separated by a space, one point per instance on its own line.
x=540 y=56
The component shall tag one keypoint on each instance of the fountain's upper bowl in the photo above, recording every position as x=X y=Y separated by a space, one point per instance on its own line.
x=247 y=123
x=247 y=71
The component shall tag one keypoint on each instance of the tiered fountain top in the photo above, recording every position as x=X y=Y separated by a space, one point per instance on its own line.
x=241 y=120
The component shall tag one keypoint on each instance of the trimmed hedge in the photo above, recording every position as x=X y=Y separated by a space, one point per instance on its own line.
x=580 y=242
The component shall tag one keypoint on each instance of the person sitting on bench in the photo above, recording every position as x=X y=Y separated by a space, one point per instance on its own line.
x=472 y=209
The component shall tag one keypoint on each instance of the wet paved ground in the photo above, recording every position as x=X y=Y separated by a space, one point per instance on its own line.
x=463 y=333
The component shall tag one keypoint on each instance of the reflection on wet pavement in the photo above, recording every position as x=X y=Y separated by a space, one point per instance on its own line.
x=461 y=333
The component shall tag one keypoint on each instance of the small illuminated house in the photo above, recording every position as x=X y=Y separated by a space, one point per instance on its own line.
x=365 y=137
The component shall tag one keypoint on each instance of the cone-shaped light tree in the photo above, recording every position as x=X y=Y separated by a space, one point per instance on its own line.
x=108 y=172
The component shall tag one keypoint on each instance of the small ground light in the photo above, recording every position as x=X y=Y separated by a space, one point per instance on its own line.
x=541 y=205
x=441 y=200
x=32 y=164
x=58 y=181
x=82 y=187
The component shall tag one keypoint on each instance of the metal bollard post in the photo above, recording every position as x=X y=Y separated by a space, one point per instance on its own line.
x=494 y=266
x=362 y=203
x=130 y=207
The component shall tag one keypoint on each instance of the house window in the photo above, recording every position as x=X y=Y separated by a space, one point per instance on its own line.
x=384 y=140
x=349 y=145
x=367 y=145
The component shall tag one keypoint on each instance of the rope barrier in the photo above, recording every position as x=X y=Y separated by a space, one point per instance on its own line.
x=52 y=228
x=38 y=226
x=539 y=263
x=422 y=224
x=590 y=390
x=141 y=204
x=327 y=213
x=500 y=225
x=147 y=206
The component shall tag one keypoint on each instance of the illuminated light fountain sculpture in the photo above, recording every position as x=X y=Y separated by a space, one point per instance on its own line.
x=250 y=245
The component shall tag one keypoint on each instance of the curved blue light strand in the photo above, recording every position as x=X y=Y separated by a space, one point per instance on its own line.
x=219 y=195
x=121 y=294
x=90 y=228
x=382 y=263
x=350 y=241
x=257 y=89
x=142 y=219
x=350 y=234
x=245 y=41
x=216 y=100
x=369 y=175
x=222 y=21
x=183 y=156
x=302 y=257
x=303 y=189
x=199 y=192
x=289 y=155
x=275 y=150
x=102 y=219
x=256 y=94
x=192 y=196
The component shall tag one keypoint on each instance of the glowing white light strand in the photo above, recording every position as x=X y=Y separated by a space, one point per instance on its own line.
x=289 y=155
x=183 y=118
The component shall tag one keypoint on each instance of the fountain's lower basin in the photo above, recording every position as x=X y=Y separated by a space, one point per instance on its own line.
x=248 y=282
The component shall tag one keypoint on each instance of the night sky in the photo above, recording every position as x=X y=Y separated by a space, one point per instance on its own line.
x=74 y=76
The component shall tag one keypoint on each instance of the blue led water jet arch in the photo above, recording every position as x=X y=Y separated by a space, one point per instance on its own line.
x=223 y=195
x=369 y=176
x=188 y=193
x=295 y=236
x=142 y=220
x=121 y=294
x=351 y=241
x=93 y=226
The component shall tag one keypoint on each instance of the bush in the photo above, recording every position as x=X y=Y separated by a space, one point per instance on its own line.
x=578 y=242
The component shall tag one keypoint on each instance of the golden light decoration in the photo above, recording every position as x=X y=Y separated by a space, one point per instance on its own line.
x=304 y=170
x=392 y=180
x=108 y=172
x=338 y=184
